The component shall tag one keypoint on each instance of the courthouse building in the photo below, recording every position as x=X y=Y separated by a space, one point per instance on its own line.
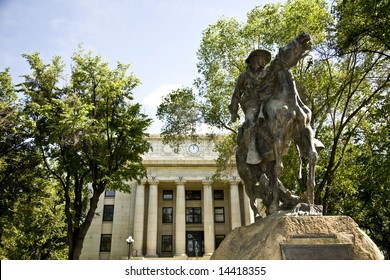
x=175 y=213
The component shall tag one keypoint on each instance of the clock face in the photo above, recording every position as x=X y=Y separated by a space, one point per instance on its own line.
x=193 y=149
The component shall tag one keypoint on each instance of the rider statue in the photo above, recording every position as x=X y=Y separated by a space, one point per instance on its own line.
x=266 y=134
x=246 y=94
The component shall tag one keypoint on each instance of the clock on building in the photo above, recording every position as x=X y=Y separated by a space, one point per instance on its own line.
x=193 y=149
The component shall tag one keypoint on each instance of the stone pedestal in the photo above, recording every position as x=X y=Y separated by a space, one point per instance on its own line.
x=280 y=237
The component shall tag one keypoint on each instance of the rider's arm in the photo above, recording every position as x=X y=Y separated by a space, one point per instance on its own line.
x=236 y=97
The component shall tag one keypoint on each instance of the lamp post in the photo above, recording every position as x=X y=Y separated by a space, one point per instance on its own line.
x=129 y=241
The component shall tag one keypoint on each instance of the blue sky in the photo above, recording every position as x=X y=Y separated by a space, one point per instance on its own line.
x=159 y=38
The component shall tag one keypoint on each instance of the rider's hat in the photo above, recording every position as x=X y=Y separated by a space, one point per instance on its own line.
x=264 y=53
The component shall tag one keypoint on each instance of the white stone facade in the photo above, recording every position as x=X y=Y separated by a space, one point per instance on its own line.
x=175 y=213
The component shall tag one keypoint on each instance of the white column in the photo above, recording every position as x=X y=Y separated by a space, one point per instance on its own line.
x=249 y=216
x=139 y=214
x=151 y=245
x=208 y=219
x=235 y=212
x=180 y=220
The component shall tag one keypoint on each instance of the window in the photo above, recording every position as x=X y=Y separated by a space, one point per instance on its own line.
x=166 y=243
x=167 y=195
x=105 y=243
x=108 y=213
x=109 y=193
x=219 y=214
x=193 y=215
x=218 y=195
x=167 y=215
x=218 y=240
x=193 y=195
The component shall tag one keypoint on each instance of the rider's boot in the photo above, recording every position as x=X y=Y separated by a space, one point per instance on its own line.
x=253 y=156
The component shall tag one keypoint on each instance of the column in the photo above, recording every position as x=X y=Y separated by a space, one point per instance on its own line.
x=249 y=215
x=139 y=214
x=180 y=220
x=235 y=204
x=151 y=245
x=208 y=219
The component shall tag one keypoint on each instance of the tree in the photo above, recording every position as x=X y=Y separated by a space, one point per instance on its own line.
x=9 y=139
x=36 y=228
x=181 y=120
x=358 y=132
x=357 y=75
x=90 y=135
x=370 y=203
x=360 y=189
x=364 y=24
x=355 y=82
x=32 y=228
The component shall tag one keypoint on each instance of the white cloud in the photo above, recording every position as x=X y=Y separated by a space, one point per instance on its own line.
x=154 y=98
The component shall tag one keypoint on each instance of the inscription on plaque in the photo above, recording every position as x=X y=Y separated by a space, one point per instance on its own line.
x=316 y=251
x=313 y=235
x=316 y=246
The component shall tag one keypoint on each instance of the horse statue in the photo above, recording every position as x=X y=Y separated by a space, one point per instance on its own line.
x=283 y=119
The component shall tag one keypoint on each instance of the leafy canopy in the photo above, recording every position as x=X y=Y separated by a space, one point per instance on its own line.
x=90 y=134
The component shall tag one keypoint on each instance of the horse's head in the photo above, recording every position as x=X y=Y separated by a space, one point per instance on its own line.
x=297 y=49
x=304 y=41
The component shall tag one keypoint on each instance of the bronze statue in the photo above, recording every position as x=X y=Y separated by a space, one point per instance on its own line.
x=275 y=116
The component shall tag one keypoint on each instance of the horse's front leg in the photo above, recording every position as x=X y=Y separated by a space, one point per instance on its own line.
x=313 y=156
x=278 y=150
x=307 y=145
x=274 y=179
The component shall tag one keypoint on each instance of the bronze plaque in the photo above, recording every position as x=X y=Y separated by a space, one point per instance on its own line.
x=316 y=251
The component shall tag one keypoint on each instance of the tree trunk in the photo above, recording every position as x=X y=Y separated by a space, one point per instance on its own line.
x=79 y=235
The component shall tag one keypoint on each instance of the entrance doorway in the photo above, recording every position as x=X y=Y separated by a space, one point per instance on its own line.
x=195 y=243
